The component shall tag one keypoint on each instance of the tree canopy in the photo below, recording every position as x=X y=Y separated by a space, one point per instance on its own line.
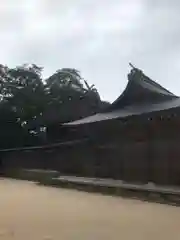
x=29 y=103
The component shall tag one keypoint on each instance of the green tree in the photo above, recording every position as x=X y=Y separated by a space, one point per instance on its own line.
x=70 y=97
x=31 y=103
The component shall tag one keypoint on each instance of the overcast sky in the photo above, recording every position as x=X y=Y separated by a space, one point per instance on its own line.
x=98 y=37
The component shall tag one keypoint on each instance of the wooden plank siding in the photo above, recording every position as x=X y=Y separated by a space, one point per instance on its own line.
x=135 y=150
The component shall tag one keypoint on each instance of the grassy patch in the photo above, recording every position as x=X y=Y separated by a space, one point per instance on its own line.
x=32 y=174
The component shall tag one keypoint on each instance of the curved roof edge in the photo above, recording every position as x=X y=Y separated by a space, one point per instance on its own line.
x=140 y=89
x=141 y=95
x=128 y=112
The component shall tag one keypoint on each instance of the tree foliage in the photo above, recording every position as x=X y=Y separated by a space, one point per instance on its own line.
x=28 y=103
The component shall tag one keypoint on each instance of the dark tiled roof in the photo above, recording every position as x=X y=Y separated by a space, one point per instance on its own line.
x=130 y=111
x=142 y=95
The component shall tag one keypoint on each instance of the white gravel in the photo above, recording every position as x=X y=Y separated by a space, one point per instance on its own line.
x=31 y=212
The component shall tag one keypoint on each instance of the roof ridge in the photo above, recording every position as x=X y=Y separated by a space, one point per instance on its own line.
x=133 y=75
x=154 y=83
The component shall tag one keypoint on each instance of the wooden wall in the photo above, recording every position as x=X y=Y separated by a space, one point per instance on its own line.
x=140 y=150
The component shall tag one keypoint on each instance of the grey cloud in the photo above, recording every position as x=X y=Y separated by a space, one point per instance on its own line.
x=97 y=37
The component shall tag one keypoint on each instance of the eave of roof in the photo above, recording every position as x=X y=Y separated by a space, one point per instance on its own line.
x=129 y=111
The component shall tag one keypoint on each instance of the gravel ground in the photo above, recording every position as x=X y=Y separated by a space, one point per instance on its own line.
x=32 y=212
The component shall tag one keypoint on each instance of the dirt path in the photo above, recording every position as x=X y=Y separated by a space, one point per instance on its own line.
x=30 y=212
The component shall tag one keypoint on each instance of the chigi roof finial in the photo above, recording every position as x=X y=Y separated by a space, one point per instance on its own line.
x=135 y=73
x=131 y=65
